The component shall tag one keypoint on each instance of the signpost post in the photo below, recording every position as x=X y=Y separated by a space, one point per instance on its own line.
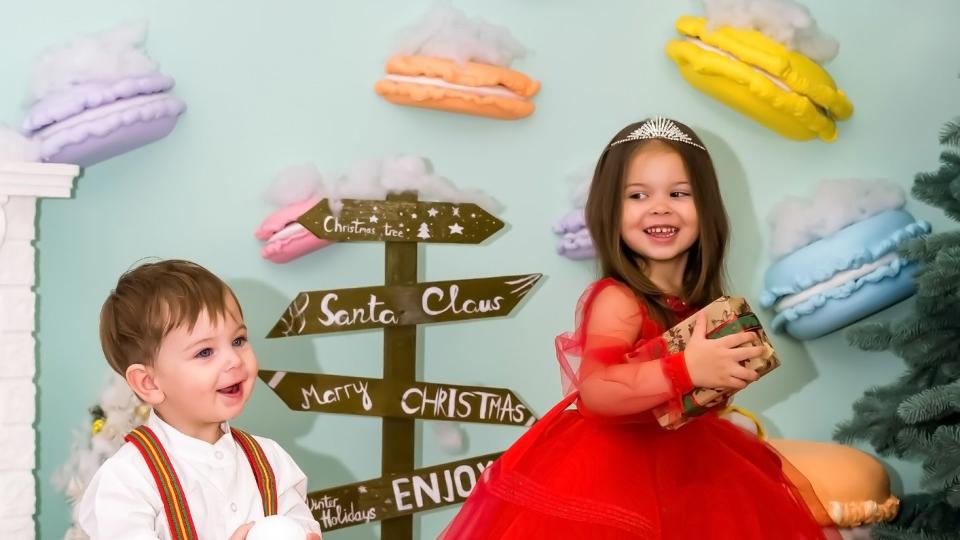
x=401 y=222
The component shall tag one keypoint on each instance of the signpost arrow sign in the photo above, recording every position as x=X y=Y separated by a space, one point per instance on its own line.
x=320 y=312
x=401 y=221
x=397 y=495
x=393 y=399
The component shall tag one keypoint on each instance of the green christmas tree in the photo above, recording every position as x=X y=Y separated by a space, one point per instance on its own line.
x=918 y=416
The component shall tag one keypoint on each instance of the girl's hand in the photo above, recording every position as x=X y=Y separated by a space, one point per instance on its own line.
x=313 y=536
x=241 y=532
x=715 y=363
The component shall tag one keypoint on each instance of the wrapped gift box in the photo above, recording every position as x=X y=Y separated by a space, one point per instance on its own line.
x=725 y=315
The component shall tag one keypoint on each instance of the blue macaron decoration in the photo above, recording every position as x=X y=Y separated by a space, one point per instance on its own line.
x=837 y=259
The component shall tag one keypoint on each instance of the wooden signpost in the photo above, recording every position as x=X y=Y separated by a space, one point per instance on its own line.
x=397 y=495
x=397 y=307
x=377 y=397
x=319 y=312
x=401 y=221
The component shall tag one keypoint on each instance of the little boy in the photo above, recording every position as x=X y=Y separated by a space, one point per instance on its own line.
x=175 y=331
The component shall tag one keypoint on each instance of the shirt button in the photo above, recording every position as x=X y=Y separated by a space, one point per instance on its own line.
x=233 y=506
x=218 y=454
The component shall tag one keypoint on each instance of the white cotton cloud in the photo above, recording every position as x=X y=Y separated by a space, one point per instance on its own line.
x=448 y=32
x=785 y=21
x=16 y=147
x=450 y=437
x=581 y=179
x=294 y=184
x=105 y=55
x=374 y=179
x=796 y=222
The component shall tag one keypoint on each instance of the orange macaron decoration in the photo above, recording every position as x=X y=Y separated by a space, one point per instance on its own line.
x=454 y=63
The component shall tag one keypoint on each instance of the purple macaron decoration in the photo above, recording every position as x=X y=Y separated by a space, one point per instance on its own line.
x=575 y=242
x=93 y=121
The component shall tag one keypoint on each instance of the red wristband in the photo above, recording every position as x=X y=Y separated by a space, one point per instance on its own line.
x=675 y=368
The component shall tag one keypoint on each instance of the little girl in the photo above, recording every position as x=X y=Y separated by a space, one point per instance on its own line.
x=606 y=470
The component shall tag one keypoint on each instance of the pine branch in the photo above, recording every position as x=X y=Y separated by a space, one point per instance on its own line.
x=942 y=467
x=870 y=336
x=918 y=416
x=939 y=188
x=931 y=404
x=930 y=366
x=875 y=420
x=941 y=279
x=914 y=442
x=950 y=134
x=915 y=381
x=950 y=160
x=934 y=307
x=922 y=517
x=928 y=340
x=950 y=368
x=910 y=330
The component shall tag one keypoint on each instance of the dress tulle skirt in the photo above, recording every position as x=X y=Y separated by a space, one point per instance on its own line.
x=571 y=476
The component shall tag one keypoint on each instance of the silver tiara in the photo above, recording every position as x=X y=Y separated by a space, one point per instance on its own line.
x=658 y=128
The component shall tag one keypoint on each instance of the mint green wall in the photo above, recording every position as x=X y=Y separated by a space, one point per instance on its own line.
x=272 y=84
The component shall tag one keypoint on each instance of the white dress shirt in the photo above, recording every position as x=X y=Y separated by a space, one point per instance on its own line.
x=123 y=502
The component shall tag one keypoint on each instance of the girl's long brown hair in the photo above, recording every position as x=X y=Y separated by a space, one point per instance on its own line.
x=703 y=276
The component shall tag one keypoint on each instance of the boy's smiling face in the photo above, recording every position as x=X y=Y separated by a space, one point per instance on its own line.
x=206 y=374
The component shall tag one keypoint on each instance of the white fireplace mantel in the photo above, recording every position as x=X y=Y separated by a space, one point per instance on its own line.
x=21 y=184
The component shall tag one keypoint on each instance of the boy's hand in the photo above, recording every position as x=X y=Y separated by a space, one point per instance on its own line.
x=313 y=536
x=241 y=532
x=715 y=363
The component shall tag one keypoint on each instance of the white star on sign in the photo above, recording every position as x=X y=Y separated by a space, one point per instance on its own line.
x=432 y=212
x=456 y=211
x=456 y=229
x=374 y=219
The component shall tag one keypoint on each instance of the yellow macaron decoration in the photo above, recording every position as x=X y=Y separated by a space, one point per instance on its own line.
x=778 y=87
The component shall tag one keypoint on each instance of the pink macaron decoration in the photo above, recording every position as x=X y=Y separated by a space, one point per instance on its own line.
x=298 y=188
x=284 y=239
x=295 y=189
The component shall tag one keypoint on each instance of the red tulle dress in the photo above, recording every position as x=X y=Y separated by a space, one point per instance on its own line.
x=591 y=474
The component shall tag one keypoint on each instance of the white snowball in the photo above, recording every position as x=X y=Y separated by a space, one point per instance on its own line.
x=276 y=528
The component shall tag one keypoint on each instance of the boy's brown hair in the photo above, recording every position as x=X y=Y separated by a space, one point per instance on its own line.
x=152 y=299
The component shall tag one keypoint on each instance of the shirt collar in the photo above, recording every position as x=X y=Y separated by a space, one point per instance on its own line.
x=184 y=446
